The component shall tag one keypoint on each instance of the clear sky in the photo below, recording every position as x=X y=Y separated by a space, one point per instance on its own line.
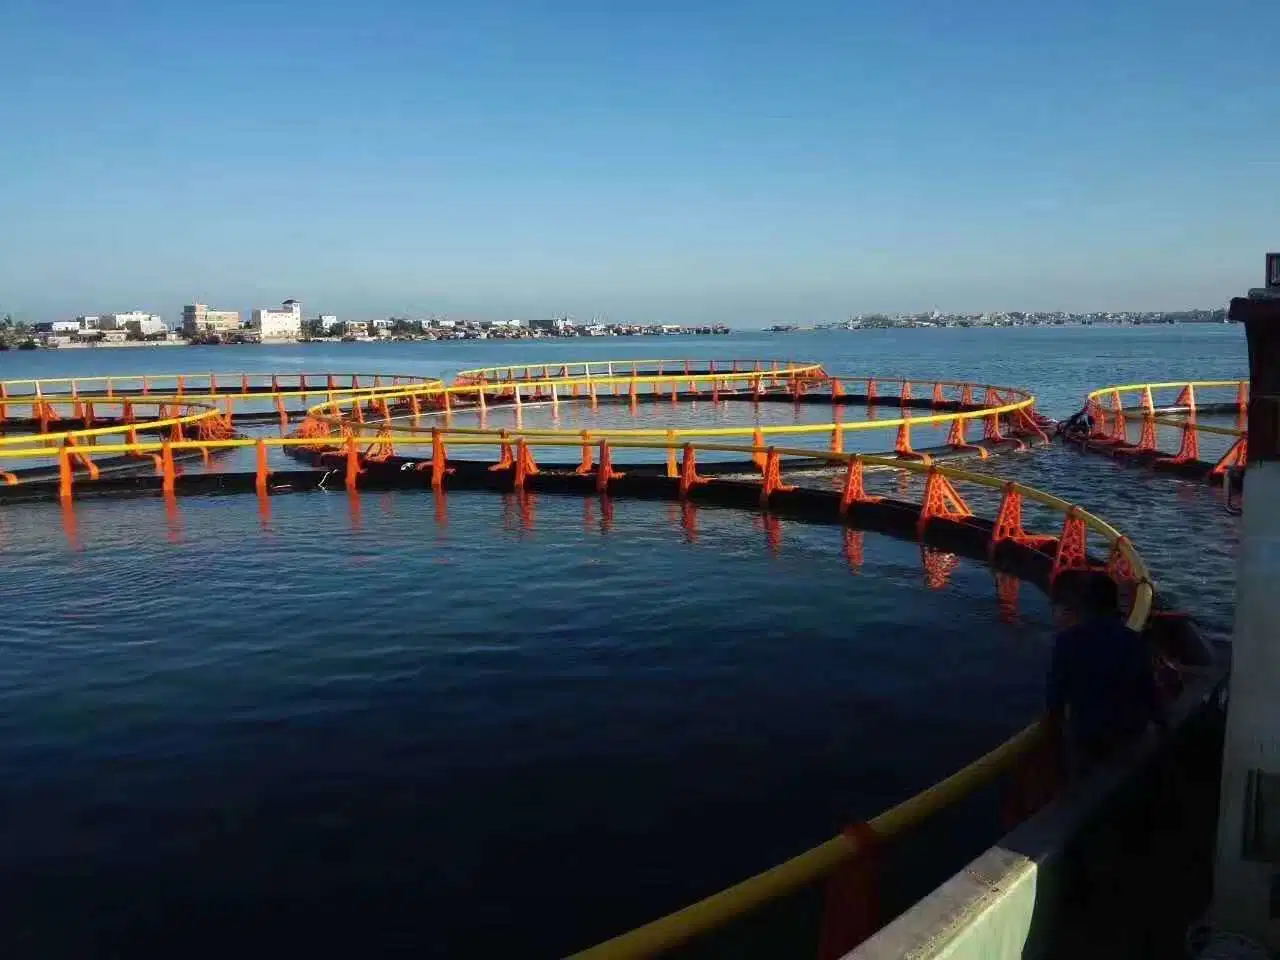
x=678 y=160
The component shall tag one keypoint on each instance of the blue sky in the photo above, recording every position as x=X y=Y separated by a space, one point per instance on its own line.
x=746 y=162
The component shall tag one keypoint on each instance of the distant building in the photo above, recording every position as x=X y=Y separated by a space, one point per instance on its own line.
x=135 y=322
x=198 y=320
x=283 y=323
x=354 y=328
x=64 y=327
x=88 y=322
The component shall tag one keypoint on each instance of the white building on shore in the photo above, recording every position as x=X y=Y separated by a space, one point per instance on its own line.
x=198 y=320
x=282 y=323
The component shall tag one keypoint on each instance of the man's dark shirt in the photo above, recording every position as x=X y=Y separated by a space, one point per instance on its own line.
x=1101 y=671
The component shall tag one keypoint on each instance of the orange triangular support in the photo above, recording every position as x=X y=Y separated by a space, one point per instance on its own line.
x=672 y=470
x=759 y=457
x=1024 y=422
x=604 y=469
x=77 y=410
x=1186 y=398
x=261 y=480
x=940 y=500
x=1008 y=525
x=1237 y=457
x=772 y=480
x=837 y=438
x=956 y=439
x=966 y=395
x=439 y=461
x=837 y=389
x=586 y=467
x=854 y=491
x=525 y=465
x=1073 y=545
x=991 y=429
x=353 y=462
x=873 y=392
x=905 y=395
x=275 y=383
x=689 y=477
x=938 y=399
x=1242 y=396
x=381 y=448
x=902 y=446
x=1190 y=449
x=168 y=471
x=1146 y=440
x=505 y=460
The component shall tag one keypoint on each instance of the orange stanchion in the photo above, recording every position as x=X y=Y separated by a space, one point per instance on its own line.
x=1190 y=448
x=448 y=403
x=966 y=395
x=758 y=455
x=260 y=481
x=837 y=438
x=1025 y=423
x=604 y=469
x=284 y=414
x=902 y=445
x=353 y=463
x=275 y=384
x=991 y=429
x=213 y=382
x=1146 y=440
x=837 y=388
x=851 y=900
x=244 y=383
x=505 y=460
x=771 y=482
x=586 y=467
x=525 y=465
x=854 y=491
x=940 y=500
x=357 y=408
x=1187 y=398
x=715 y=391
x=1242 y=397
x=1237 y=457
x=182 y=384
x=65 y=481
x=128 y=414
x=672 y=471
x=938 y=399
x=146 y=386
x=385 y=410
x=302 y=382
x=689 y=477
x=329 y=383
x=78 y=456
x=905 y=394
x=1008 y=525
x=77 y=411
x=439 y=460
x=1073 y=545
x=382 y=448
x=377 y=381
x=956 y=439
x=89 y=418
x=168 y=472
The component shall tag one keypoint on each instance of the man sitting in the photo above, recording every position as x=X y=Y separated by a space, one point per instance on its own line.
x=1100 y=679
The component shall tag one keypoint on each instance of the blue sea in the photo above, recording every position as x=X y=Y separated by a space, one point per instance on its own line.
x=465 y=726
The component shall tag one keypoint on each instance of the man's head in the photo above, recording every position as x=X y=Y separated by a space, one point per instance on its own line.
x=1080 y=595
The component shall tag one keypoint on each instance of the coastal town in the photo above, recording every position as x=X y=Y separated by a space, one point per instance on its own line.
x=205 y=325
x=201 y=324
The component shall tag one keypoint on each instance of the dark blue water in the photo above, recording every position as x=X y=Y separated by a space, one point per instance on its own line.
x=439 y=723
x=473 y=727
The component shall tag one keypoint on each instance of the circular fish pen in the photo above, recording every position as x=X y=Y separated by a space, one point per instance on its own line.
x=199 y=436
